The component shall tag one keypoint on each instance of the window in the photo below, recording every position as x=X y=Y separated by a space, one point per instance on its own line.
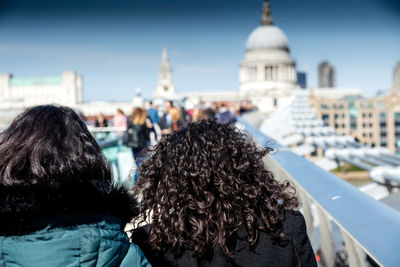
x=325 y=118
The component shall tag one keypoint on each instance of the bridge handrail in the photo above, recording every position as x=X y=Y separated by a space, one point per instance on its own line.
x=371 y=224
x=109 y=142
x=106 y=129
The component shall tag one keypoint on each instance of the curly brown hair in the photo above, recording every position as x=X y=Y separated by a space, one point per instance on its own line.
x=203 y=183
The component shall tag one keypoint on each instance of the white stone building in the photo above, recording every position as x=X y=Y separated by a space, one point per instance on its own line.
x=18 y=92
x=267 y=74
x=165 y=87
x=267 y=64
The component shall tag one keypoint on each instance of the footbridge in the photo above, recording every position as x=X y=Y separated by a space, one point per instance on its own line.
x=367 y=227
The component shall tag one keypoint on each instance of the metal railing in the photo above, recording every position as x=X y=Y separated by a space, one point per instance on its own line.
x=367 y=225
x=121 y=160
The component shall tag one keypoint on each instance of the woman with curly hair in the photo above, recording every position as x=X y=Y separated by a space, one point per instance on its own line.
x=58 y=203
x=211 y=202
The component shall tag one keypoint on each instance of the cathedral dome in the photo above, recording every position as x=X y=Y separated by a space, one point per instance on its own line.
x=267 y=37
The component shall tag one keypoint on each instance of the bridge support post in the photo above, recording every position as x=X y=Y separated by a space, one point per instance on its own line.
x=356 y=257
x=328 y=251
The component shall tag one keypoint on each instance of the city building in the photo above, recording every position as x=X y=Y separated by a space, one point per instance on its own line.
x=267 y=64
x=326 y=75
x=378 y=121
x=336 y=108
x=396 y=75
x=16 y=92
x=302 y=79
x=267 y=74
x=374 y=121
x=165 y=87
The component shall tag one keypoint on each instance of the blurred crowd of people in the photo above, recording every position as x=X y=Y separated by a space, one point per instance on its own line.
x=148 y=122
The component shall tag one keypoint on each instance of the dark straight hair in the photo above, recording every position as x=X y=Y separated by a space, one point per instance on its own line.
x=49 y=142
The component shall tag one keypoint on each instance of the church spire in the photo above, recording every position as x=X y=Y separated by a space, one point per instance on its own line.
x=266 y=18
x=164 y=53
x=165 y=87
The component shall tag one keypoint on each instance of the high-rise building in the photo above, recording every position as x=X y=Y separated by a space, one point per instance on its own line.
x=326 y=75
x=302 y=79
x=396 y=76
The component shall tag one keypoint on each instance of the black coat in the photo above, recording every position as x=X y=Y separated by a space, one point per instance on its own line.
x=294 y=250
x=136 y=136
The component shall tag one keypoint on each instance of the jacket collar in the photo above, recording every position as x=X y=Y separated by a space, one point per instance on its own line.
x=22 y=206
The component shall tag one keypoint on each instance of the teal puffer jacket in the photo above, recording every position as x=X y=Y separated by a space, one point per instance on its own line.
x=67 y=222
x=62 y=242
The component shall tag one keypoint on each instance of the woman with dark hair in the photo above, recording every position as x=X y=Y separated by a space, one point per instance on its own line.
x=211 y=202
x=58 y=203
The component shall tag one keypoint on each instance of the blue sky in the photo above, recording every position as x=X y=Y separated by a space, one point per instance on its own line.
x=116 y=45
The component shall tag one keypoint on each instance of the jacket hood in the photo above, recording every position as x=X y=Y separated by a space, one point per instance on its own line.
x=23 y=206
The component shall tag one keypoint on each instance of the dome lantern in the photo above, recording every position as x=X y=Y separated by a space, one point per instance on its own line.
x=266 y=18
x=267 y=35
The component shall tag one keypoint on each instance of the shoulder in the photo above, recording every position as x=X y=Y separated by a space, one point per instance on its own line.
x=294 y=225
x=140 y=237
x=134 y=257
x=294 y=248
x=292 y=220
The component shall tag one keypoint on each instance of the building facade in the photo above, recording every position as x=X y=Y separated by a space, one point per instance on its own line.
x=165 y=87
x=378 y=122
x=396 y=75
x=267 y=73
x=374 y=121
x=326 y=75
x=336 y=108
x=18 y=92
